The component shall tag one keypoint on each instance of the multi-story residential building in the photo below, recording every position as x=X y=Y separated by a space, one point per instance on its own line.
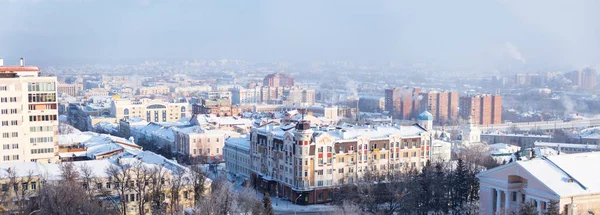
x=70 y=89
x=402 y=103
x=371 y=103
x=146 y=91
x=522 y=140
x=218 y=110
x=28 y=115
x=278 y=80
x=150 y=110
x=484 y=109
x=298 y=162
x=299 y=96
x=561 y=178
x=236 y=153
x=241 y=96
x=201 y=145
x=442 y=105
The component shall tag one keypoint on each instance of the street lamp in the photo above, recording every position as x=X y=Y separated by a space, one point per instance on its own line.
x=296 y=202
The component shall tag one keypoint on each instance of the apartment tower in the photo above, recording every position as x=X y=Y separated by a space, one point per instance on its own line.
x=442 y=105
x=28 y=115
x=484 y=109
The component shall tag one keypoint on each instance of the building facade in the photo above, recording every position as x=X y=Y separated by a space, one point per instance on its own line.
x=442 y=105
x=150 y=110
x=201 y=145
x=505 y=189
x=28 y=115
x=402 y=103
x=299 y=162
x=236 y=153
x=278 y=80
x=146 y=91
x=484 y=109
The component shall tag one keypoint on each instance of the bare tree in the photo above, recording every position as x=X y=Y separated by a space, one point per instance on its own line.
x=347 y=208
x=198 y=180
x=119 y=175
x=220 y=200
x=247 y=202
x=157 y=189
x=142 y=175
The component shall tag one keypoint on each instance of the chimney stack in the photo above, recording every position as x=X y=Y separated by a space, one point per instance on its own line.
x=22 y=64
x=1 y=62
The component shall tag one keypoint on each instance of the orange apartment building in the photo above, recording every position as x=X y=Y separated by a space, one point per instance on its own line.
x=484 y=109
x=402 y=103
x=442 y=105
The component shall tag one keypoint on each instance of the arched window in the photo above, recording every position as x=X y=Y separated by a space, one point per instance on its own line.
x=183 y=109
x=126 y=111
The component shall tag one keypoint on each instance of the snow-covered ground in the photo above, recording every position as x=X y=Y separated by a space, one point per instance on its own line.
x=280 y=206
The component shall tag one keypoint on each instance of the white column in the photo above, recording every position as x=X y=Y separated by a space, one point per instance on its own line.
x=506 y=201
x=498 y=200
x=539 y=206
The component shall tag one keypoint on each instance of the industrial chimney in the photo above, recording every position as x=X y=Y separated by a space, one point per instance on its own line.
x=22 y=64
x=1 y=62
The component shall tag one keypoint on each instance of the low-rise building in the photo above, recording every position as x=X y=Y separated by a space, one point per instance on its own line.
x=236 y=153
x=200 y=145
x=537 y=181
x=150 y=110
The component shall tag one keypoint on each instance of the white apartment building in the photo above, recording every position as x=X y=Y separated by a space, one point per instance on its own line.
x=237 y=157
x=28 y=115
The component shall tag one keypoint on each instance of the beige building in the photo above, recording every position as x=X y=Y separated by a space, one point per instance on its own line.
x=70 y=89
x=150 y=110
x=571 y=180
x=154 y=90
x=28 y=115
x=95 y=92
x=299 y=161
x=201 y=145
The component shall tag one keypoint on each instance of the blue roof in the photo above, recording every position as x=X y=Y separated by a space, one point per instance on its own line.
x=425 y=116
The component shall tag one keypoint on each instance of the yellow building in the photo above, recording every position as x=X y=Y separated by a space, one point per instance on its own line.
x=150 y=110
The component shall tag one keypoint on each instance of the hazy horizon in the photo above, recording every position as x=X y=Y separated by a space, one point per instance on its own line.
x=478 y=34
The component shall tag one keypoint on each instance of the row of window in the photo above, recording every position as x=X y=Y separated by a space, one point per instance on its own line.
x=8 y=99
x=42 y=107
x=7 y=146
x=41 y=140
x=6 y=111
x=40 y=128
x=41 y=86
x=9 y=135
x=24 y=186
x=42 y=97
x=14 y=157
x=12 y=123
x=208 y=140
x=42 y=151
x=37 y=118
x=207 y=151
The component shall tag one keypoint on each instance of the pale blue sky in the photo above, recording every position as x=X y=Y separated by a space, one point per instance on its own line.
x=455 y=33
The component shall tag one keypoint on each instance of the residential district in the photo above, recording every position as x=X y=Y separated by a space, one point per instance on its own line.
x=159 y=137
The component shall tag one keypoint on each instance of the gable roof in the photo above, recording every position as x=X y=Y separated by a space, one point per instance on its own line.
x=555 y=171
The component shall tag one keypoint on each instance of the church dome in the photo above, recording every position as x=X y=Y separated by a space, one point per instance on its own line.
x=425 y=116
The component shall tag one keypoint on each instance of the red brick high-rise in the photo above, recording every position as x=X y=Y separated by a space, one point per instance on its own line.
x=485 y=109
x=402 y=103
x=442 y=105
x=278 y=80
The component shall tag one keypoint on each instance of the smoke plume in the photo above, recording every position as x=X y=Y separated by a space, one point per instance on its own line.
x=514 y=52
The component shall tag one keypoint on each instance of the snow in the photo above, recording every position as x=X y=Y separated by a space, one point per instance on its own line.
x=554 y=172
x=239 y=142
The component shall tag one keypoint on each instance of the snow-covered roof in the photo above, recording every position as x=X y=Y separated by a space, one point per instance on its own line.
x=94 y=144
x=566 y=145
x=239 y=142
x=555 y=172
